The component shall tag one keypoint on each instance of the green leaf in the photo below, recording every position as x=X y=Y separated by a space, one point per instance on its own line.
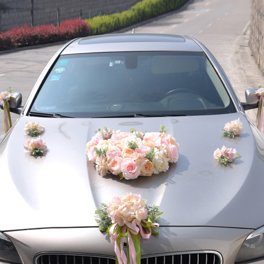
x=151 y=154
x=102 y=218
x=100 y=152
x=163 y=129
x=132 y=145
x=229 y=134
x=37 y=152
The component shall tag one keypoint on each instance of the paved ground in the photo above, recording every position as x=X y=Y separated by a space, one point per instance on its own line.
x=219 y=24
x=224 y=27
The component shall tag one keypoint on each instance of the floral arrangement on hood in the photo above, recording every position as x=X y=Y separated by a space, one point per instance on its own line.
x=4 y=102
x=35 y=146
x=233 y=128
x=225 y=156
x=132 y=154
x=127 y=220
x=33 y=129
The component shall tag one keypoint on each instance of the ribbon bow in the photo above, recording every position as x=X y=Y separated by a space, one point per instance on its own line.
x=126 y=240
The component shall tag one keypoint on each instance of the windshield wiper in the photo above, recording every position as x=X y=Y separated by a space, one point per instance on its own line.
x=43 y=114
x=127 y=115
x=136 y=115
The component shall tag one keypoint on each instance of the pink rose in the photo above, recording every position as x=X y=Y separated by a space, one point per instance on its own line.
x=173 y=153
x=147 y=168
x=168 y=139
x=152 y=139
x=114 y=165
x=129 y=169
x=118 y=135
x=113 y=152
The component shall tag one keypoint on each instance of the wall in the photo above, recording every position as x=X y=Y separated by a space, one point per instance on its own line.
x=256 y=41
x=14 y=13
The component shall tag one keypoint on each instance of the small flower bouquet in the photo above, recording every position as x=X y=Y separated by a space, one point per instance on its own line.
x=131 y=154
x=233 y=128
x=5 y=95
x=127 y=220
x=36 y=147
x=225 y=156
x=33 y=129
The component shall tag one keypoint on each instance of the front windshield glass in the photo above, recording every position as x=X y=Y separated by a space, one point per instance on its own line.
x=132 y=84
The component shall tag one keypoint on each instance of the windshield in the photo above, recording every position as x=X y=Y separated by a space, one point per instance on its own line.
x=132 y=84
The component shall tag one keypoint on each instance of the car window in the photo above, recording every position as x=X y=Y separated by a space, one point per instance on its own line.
x=133 y=83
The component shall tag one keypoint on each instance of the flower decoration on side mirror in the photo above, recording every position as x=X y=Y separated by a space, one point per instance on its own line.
x=260 y=92
x=4 y=96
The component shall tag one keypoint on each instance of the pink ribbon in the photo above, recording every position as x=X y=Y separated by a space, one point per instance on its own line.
x=144 y=234
x=7 y=117
x=129 y=228
x=132 y=250
x=260 y=115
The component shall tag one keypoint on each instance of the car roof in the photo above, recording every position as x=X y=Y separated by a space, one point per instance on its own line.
x=132 y=42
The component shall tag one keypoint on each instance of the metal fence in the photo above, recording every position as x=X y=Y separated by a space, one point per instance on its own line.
x=38 y=12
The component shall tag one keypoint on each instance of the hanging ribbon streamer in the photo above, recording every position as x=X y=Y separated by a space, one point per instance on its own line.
x=4 y=101
x=7 y=116
x=127 y=243
x=260 y=115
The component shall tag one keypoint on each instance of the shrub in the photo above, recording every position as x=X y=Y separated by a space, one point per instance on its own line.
x=26 y=35
x=141 y=11
x=73 y=28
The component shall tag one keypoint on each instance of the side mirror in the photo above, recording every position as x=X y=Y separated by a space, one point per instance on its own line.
x=252 y=99
x=15 y=102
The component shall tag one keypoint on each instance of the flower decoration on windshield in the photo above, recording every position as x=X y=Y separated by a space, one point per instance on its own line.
x=4 y=102
x=225 y=156
x=36 y=147
x=33 y=129
x=127 y=220
x=233 y=128
x=132 y=154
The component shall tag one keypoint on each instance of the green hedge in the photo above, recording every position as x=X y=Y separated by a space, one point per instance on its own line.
x=141 y=11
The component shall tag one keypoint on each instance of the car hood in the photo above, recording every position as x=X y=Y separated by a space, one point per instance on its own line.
x=62 y=189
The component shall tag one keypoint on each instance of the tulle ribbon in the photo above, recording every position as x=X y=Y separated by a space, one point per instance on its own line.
x=7 y=116
x=260 y=114
x=127 y=239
